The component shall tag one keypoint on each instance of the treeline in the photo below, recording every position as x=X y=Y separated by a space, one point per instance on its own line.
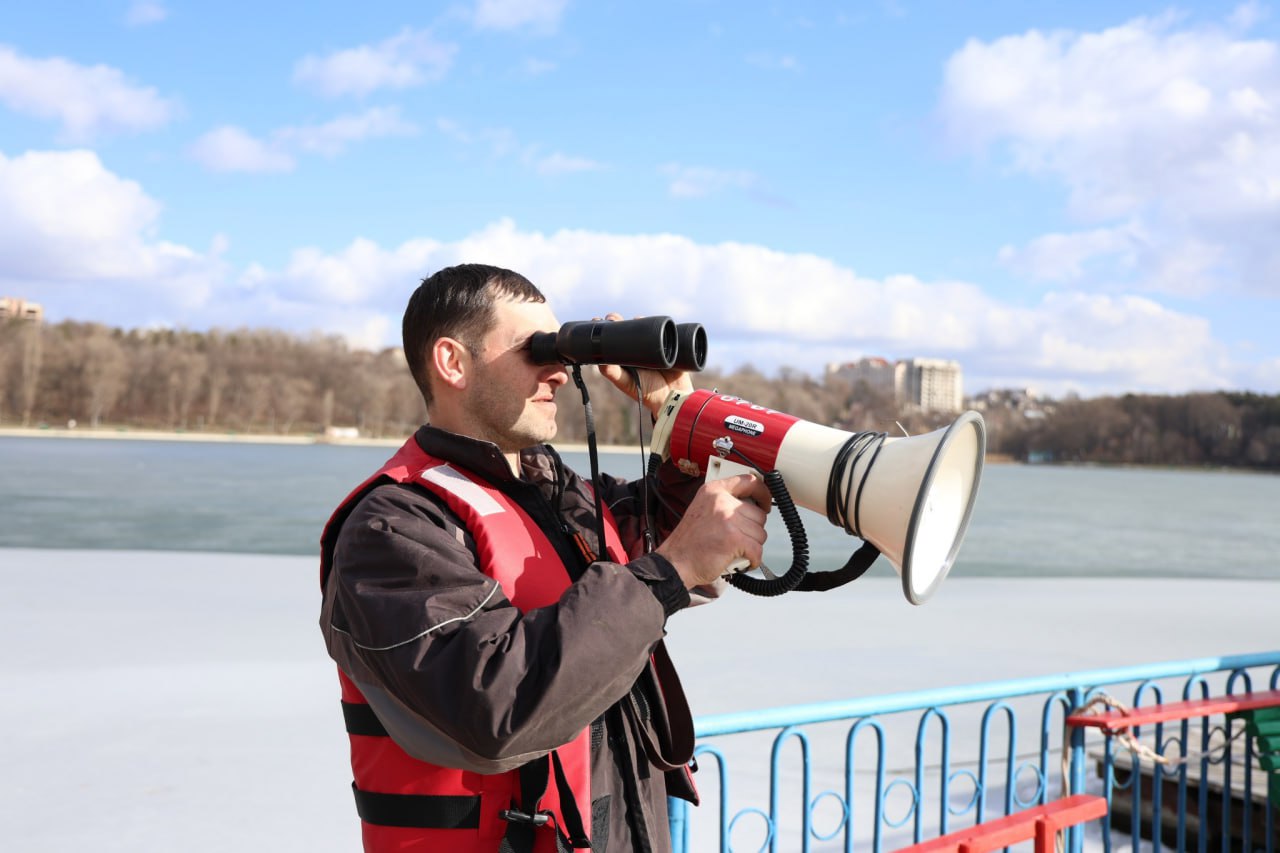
x=247 y=380
x=267 y=381
x=1220 y=429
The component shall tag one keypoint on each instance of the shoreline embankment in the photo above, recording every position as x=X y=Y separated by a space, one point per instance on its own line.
x=232 y=437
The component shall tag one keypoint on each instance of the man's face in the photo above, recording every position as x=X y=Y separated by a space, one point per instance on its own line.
x=511 y=399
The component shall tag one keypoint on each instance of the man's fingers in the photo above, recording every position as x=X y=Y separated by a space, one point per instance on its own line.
x=740 y=485
x=750 y=487
x=755 y=528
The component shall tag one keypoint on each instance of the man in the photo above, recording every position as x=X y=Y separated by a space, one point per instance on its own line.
x=503 y=678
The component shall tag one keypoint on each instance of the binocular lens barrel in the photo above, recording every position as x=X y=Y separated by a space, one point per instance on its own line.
x=656 y=343
x=691 y=353
x=649 y=342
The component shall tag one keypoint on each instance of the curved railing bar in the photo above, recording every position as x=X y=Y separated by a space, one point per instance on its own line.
x=849 y=763
x=945 y=765
x=1011 y=759
x=775 y=808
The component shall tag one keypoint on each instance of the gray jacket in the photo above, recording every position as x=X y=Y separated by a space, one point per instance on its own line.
x=459 y=677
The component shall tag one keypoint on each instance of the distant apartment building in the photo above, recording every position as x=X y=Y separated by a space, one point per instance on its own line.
x=20 y=309
x=929 y=383
x=933 y=384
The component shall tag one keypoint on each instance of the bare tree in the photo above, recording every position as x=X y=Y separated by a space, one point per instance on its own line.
x=105 y=372
x=291 y=398
x=257 y=399
x=32 y=336
x=187 y=371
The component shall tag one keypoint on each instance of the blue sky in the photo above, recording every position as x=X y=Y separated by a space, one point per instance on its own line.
x=1073 y=196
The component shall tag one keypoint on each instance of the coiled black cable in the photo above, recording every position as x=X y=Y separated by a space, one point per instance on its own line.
x=846 y=462
x=768 y=587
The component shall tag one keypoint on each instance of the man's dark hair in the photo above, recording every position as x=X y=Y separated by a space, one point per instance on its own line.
x=457 y=302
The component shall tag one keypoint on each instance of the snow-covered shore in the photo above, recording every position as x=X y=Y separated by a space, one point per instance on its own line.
x=183 y=701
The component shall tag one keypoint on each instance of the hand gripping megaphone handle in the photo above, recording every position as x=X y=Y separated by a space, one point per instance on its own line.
x=718 y=469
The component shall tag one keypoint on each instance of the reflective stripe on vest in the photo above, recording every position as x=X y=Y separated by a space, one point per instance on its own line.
x=446 y=808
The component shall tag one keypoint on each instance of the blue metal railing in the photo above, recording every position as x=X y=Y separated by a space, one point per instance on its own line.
x=959 y=767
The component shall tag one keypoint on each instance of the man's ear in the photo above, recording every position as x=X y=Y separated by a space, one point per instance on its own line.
x=451 y=362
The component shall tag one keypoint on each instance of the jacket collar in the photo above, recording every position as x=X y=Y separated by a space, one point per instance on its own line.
x=484 y=458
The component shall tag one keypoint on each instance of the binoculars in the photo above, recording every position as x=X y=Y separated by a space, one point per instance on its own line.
x=657 y=343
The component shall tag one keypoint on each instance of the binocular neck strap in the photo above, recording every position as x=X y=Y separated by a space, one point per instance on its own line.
x=576 y=371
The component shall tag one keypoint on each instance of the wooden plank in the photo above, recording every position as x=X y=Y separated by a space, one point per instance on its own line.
x=1115 y=721
x=1037 y=821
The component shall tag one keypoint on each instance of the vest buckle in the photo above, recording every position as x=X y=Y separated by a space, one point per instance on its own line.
x=517 y=816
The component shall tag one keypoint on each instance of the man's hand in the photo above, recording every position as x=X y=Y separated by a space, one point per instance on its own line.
x=724 y=522
x=655 y=385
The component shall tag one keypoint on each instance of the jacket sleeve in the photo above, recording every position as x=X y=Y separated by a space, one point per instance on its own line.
x=413 y=617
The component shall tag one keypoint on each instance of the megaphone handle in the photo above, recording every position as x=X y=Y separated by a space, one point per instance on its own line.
x=719 y=468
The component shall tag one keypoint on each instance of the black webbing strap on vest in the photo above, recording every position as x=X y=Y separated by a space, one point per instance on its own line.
x=419 y=811
x=361 y=720
x=576 y=831
x=447 y=811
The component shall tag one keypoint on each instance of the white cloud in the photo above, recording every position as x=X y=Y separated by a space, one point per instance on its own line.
x=702 y=181
x=232 y=149
x=358 y=292
x=410 y=58
x=759 y=304
x=144 y=12
x=1153 y=124
x=541 y=16
x=1064 y=257
x=332 y=137
x=68 y=223
x=88 y=101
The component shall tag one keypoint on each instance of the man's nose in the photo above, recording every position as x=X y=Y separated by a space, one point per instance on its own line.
x=558 y=376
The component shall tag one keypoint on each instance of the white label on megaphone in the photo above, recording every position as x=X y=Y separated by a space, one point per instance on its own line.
x=742 y=426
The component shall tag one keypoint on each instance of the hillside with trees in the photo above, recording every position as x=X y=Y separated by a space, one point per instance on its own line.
x=268 y=381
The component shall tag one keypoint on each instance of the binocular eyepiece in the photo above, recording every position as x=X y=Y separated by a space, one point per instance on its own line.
x=657 y=343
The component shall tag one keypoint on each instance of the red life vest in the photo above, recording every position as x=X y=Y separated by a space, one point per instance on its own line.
x=388 y=781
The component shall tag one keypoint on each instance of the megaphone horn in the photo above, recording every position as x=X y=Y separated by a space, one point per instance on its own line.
x=911 y=497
